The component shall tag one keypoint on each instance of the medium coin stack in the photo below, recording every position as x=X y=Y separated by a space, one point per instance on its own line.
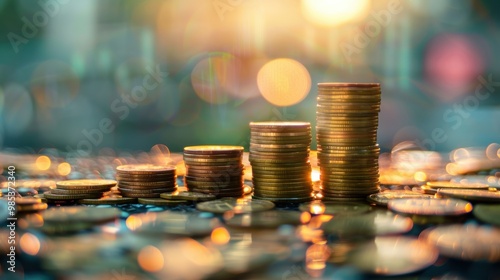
x=346 y=134
x=279 y=155
x=216 y=170
x=145 y=180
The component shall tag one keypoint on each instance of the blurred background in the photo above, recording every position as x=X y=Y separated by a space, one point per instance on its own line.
x=86 y=76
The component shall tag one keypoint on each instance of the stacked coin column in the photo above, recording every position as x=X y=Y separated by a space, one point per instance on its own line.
x=145 y=180
x=216 y=170
x=346 y=134
x=279 y=155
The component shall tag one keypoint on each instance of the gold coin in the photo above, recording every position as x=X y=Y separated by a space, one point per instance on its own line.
x=85 y=184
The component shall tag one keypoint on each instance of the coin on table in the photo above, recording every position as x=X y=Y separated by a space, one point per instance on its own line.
x=472 y=195
x=213 y=149
x=430 y=207
x=80 y=214
x=162 y=201
x=108 y=200
x=467 y=242
x=86 y=184
x=189 y=196
x=392 y=256
x=382 y=198
x=492 y=181
x=488 y=213
x=367 y=225
x=455 y=185
x=264 y=219
x=181 y=224
x=344 y=208
x=236 y=206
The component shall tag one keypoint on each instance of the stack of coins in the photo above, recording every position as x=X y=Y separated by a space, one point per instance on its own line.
x=346 y=134
x=279 y=155
x=70 y=191
x=145 y=180
x=215 y=170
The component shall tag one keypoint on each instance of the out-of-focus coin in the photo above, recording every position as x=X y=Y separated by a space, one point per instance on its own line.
x=488 y=213
x=467 y=242
x=454 y=185
x=492 y=181
x=77 y=214
x=430 y=207
x=382 y=198
x=27 y=200
x=265 y=219
x=392 y=256
x=162 y=201
x=85 y=184
x=177 y=224
x=189 y=196
x=236 y=206
x=31 y=207
x=328 y=208
x=471 y=195
x=108 y=200
x=367 y=225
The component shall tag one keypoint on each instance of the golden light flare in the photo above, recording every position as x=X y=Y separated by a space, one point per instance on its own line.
x=43 y=162
x=30 y=244
x=133 y=222
x=305 y=217
x=220 y=236
x=150 y=259
x=315 y=175
x=284 y=82
x=420 y=176
x=64 y=169
x=334 y=12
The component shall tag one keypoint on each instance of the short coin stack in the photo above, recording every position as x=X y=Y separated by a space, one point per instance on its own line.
x=346 y=133
x=279 y=155
x=215 y=170
x=145 y=180
x=69 y=191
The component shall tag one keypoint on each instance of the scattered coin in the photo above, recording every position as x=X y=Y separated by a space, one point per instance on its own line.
x=467 y=242
x=108 y=200
x=392 y=256
x=488 y=213
x=384 y=197
x=430 y=207
x=236 y=206
x=188 y=196
x=347 y=208
x=471 y=195
x=264 y=219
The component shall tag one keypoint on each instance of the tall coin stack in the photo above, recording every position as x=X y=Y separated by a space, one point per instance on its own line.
x=145 y=180
x=279 y=155
x=346 y=134
x=216 y=170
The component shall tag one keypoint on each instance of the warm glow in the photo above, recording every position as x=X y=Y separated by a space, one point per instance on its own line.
x=284 y=82
x=334 y=12
x=64 y=169
x=43 y=162
x=305 y=217
x=150 y=259
x=133 y=222
x=315 y=175
x=30 y=244
x=220 y=236
x=317 y=208
x=420 y=176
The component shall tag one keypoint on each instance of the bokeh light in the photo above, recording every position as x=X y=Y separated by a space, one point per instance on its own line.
x=150 y=259
x=334 y=12
x=452 y=63
x=43 y=162
x=30 y=244
x=284 y=82
x=220 y=236
x=64 y=169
